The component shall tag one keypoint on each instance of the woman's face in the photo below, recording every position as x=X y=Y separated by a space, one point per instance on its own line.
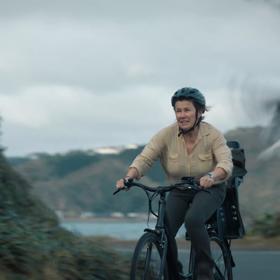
x=185 y=114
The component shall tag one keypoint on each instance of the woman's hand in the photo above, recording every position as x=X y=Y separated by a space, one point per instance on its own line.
x=207 y=181
x=131 y=174
x=120 y=184
x=213 y=177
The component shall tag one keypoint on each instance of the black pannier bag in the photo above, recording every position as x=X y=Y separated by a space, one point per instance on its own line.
x=238 y=159
x=230 y=223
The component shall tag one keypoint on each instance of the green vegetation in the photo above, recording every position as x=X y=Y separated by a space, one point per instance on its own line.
x=34 y=246
x=267 y=226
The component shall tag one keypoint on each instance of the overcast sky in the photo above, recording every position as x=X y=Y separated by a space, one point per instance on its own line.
x=86 y=74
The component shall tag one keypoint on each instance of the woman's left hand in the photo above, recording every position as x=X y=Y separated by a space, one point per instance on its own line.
x=206 y=181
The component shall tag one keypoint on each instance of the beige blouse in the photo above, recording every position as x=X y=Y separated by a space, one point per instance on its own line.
x=210 y=151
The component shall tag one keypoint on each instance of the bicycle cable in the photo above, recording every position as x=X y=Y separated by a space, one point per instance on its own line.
x=150 y=209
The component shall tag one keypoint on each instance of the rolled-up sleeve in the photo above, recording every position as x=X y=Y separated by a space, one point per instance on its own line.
x=149 y=155
x=222 y=154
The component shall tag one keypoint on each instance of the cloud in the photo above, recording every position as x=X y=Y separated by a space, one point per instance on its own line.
x=92 y=73
x=107 y=9
x=60 y=118
x=75 y=118
x=256 y=98
x=106 y=41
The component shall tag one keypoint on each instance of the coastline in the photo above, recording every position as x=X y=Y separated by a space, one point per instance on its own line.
x=248 y=242
x=104 y=219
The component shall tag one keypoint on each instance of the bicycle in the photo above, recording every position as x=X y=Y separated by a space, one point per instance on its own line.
x=149 y=257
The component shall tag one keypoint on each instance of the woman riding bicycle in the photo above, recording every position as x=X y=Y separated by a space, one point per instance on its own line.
x=189 y=147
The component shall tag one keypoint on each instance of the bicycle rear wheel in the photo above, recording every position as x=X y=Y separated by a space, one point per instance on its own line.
x=222 y=259
x=147 y=259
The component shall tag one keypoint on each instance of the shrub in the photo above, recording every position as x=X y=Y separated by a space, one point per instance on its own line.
x=268 y=225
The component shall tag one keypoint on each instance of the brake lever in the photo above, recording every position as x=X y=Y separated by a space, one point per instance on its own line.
x=125 y=188
x=116 y=191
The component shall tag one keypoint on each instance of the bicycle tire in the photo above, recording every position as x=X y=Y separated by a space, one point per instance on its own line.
x=147 y=257
x=222 y=260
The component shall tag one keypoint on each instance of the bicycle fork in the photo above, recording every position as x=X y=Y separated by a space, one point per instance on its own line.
x=164 y=246
x=160 y=229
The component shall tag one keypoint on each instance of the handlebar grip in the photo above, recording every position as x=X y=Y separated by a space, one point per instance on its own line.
x=127 y=183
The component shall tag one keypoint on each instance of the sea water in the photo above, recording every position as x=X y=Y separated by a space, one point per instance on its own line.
x=120 y=230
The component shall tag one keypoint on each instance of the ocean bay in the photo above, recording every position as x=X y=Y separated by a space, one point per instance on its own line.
x=124 y=229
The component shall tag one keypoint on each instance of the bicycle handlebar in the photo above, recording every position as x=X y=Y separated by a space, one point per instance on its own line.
x=187 y=183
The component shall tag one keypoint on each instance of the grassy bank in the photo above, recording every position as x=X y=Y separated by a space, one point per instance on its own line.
x=33 y=246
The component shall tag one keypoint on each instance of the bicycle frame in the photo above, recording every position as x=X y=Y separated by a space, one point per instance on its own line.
x=160 y=230
x=159 y=235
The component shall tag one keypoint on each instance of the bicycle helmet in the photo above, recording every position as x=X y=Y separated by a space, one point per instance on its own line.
x=189 y=93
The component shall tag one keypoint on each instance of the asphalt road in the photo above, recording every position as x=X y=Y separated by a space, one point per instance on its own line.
x=250 y=264
x=253 y=265
x=257 y=265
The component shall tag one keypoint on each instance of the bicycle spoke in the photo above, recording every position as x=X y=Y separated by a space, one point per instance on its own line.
x=220 y=265
x=147 y=260
x=218 y=274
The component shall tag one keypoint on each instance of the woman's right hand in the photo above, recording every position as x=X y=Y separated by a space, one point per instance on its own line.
x=120 y=184
x=131 y=174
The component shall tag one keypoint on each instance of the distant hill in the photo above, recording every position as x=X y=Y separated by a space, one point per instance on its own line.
x=83 y=181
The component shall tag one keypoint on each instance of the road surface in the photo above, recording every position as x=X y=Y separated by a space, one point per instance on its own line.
x=255 y=265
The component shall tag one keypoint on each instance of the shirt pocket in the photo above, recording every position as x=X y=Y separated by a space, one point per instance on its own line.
x=205 y=163
x=173 y=157
x=205 y=157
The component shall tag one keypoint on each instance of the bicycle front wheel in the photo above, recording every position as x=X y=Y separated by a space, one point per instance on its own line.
x=147 y=261
x=222 y=259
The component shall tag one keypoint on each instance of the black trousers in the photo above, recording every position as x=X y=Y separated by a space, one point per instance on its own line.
x=193 y=210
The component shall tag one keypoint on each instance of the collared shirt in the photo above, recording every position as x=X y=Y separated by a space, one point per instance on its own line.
x=210 y=151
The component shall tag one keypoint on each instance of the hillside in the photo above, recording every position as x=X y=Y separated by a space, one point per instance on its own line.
x=260 y=192
x=80 y=181
x=34 y=246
